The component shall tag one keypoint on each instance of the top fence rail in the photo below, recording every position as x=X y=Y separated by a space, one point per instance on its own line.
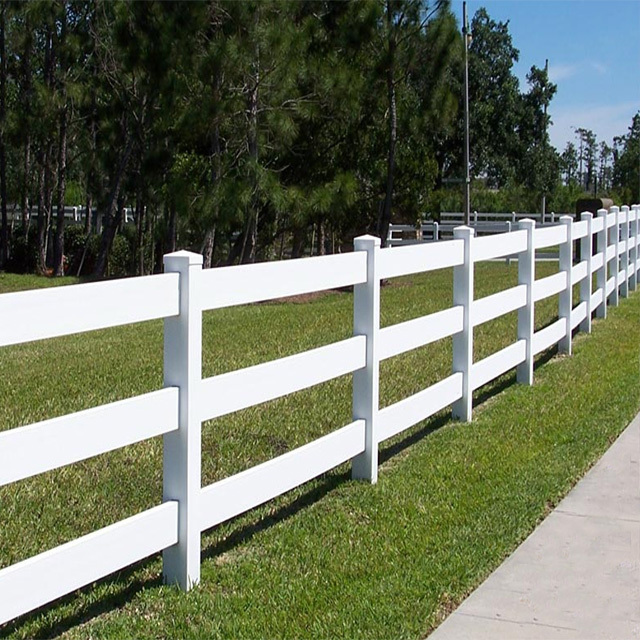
x=86 y=307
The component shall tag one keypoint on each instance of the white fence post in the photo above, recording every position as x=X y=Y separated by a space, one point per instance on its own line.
x=615 y=236
x=463 y=341
x=586 y=254
x=566 y=296
x=527 y=276
x=436 y=231
x=366 y=321
x=624 y=258
x=182 y=448
x=509 y=225
x=602 y=242
x=633 y=254
x=636 y=208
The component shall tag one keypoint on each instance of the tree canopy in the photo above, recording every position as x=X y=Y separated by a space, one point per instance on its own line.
x=259 y=129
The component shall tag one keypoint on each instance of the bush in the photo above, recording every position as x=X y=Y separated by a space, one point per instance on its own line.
x=81 y=253
x=77 y=246
x=23 y=251
x=120 y=257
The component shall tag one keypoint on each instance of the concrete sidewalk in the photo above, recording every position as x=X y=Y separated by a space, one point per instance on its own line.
x=578 y=574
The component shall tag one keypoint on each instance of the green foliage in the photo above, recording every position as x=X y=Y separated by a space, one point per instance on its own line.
x=74 y=243
x=248 y=125
x=564 y=197
x=569 y=164
x=495 y=98
x=626 y=169
x=74 y=194
x=23 y=251
x=120 y=257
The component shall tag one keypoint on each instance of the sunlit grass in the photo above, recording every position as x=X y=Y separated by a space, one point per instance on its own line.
x=334 y=558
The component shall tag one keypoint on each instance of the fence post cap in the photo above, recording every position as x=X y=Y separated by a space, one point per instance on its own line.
x=189 y=256
x=464 y=232
x=365 y=240
x=566 y=219
x=586 y=215
x=526 y=223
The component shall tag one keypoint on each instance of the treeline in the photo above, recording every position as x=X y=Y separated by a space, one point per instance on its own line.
x=250 y=130
x=601 y=168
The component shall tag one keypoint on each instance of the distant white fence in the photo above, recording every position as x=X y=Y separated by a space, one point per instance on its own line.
x=483 y=223
x=71 y=213
x=176 y=412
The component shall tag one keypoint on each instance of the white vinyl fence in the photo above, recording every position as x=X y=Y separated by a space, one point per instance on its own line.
x=176 y=412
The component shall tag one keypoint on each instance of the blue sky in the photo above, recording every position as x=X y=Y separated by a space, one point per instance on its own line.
x=593 y=47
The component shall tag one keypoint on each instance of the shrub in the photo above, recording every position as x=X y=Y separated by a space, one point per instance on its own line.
x=23 y=252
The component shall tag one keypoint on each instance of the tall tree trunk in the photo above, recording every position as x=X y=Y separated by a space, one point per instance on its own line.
x=112 y=211
x=140 y=211
x=87 y=231
x=251 y=225
x=249 y=238
x=26 y=99
x=49 y=179
x=45 y=185
x=298 y=242
x=385 y=219
x=58 y=249
x=151 y=224
x=43 y=217
x=236 y=249
x=89 y=222
x=171 y=242
x=281 y=248
x=4 y=233
x=216 y=166
x=90 y=176
x=208 y=246
x=322 y=238
x=24 y=187
x=88 y=210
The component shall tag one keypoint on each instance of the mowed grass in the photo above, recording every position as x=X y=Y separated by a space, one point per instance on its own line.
x=334 y=558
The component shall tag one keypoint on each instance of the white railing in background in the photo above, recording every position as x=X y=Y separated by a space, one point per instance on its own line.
x=177 y=411
x=483 y=223
x=76 y=213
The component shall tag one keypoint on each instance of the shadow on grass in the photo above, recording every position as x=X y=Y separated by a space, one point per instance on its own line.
x=502 y=383
x=324 y=486
x=128 y=585
x=124 y=580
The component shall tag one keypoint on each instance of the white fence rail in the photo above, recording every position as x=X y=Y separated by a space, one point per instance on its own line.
x=177 y=411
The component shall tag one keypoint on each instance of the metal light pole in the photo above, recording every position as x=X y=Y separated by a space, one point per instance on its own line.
x=467 y=179
x=544 y=137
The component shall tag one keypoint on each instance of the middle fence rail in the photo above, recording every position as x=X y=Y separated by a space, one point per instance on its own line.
x=176 y=412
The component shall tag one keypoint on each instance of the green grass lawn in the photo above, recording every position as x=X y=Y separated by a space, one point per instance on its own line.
x=334 y=558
